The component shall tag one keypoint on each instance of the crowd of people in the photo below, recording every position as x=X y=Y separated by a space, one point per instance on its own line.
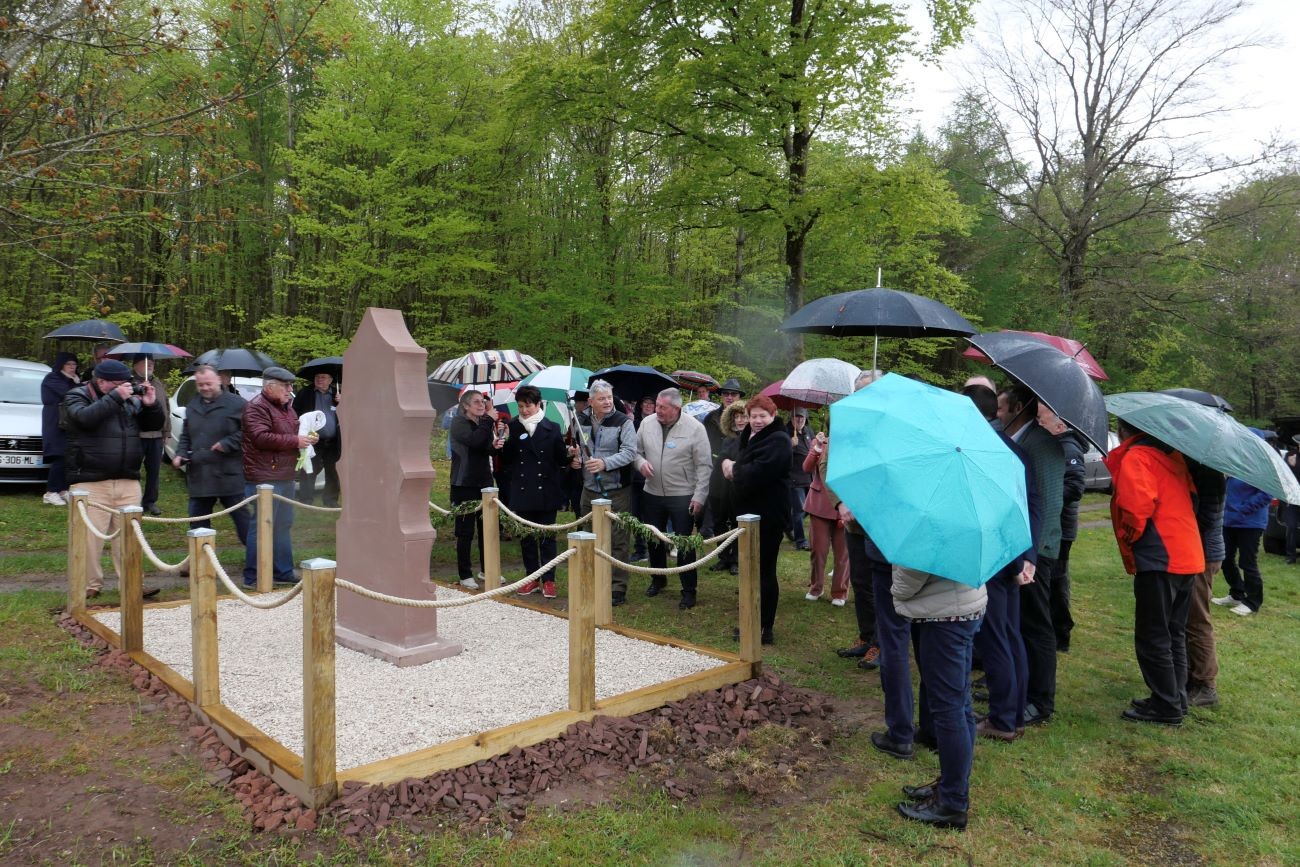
x=1175 y=523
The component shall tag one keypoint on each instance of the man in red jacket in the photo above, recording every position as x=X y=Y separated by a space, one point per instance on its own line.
x=271 y=444
x=1155 y=525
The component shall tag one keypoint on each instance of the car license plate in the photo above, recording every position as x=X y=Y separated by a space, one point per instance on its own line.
x=12 y=460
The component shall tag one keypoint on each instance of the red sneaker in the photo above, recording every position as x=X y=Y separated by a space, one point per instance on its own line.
x=548 y=589
x=530 y=587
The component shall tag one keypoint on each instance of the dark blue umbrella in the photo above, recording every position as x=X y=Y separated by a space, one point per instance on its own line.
x=236 y=361
x=634 y=381
x=89 y=329
x=1204 y=398
x=331 y=364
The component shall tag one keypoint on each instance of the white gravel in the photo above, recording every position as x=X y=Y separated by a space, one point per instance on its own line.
x=514 y=667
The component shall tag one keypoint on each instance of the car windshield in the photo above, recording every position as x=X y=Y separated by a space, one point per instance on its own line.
x=20 y=386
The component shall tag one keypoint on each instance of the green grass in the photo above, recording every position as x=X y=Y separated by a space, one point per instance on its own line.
x=1086 y=789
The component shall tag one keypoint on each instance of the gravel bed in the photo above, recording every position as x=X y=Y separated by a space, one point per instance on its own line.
x=514 y=667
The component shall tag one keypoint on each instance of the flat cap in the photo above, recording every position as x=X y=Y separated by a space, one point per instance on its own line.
x=279 y=374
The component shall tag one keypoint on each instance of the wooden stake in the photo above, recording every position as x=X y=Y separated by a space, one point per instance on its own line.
x=750 y=635
x=491 y=539
x=602 y=526
x=265 y=538
x=582 y=622
x=319 y=762
x=203 y=620
x=131 y=581
x=77 y=558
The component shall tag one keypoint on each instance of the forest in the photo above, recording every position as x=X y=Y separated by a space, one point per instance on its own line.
x=654 y=181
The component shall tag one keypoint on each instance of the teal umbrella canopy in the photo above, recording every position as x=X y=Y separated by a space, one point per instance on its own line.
x=558 y=382
x=1208 y=436
x=929 y=479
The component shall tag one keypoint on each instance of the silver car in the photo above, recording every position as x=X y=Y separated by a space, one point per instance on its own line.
x=21 y=461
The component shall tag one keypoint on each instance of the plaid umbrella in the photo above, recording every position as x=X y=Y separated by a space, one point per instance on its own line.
x=489 y=365
x=694 y=379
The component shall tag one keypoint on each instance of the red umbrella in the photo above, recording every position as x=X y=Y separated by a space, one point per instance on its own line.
x=783 y=401
x=1070 y=347
x=694 y=379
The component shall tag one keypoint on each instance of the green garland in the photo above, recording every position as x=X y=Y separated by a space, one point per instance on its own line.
x=459 y=510
x=644 y=532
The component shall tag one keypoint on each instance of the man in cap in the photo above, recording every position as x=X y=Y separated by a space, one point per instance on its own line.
x=271 y=443
x=103 y=420
x=152 y=440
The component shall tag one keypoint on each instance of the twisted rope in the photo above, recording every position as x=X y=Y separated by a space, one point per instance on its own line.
x=556 y=527
x=85 y=519
x=227 y=511
x=439 y=509
x=654 y=531
x=458 y=601
x=148 y=551
x=308 y=506
x=264 y=604
x=674 y=570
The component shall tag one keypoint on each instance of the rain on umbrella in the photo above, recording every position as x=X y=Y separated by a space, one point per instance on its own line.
x=878 y=312
x=489 y=365
x=1204 y=398
x=1070 y=347
x=632 y=382
x=783 y=401
x=1209 y=436
x=235 y=361
x=820 y=381
x=929 y=479
x=693 y=379
x=89 y=329
x=1054 y=377
x=559 y=381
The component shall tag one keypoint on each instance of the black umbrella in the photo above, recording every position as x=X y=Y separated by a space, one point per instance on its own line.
x=1204 y=398
x=1056 y=378
x=634 y=381
x=331 y=364
x=879 y=312
x=443 y=395
x=236 y=361
x=89 y=329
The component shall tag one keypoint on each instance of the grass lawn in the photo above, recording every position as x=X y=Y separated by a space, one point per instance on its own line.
x=1086 y=789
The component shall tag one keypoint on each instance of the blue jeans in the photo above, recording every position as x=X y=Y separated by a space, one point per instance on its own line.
x=893 y=632
x=944 y=651
x=282 y=544
x=797 y=496
x=1002 y=650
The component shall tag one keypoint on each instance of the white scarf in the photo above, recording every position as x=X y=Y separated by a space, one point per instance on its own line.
x=530 y=423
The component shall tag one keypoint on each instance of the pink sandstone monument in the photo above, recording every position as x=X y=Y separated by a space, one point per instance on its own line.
x=384 y=534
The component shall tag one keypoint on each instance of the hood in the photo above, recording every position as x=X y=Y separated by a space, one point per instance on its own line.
x=1168 y=456
x=728 y=416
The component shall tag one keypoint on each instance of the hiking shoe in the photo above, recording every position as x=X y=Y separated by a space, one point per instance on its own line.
x=469 y=583
x=1242 y=609
x=1227 y=601
x=858 y=649
x=1202 y=696
x=52 y=498
x=531 y=587
x=870 y=660
x=548 y=589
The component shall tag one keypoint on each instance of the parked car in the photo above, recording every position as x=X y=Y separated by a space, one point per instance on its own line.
x=21 y=461
x=1095 y=475
x=247 y=386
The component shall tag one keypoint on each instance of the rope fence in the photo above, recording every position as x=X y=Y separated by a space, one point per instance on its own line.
x=455 y=602
x=92 y=529
x=557 y=528
x=308 y=506
x=726 y=540
x=148 y=551
x=264 y=604
x=191 y=520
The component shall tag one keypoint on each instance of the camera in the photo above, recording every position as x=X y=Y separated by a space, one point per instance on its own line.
x=137 y=387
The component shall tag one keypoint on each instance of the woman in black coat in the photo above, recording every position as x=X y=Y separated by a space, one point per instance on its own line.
x=56 y=384
x=535 y=458
x=762 y=479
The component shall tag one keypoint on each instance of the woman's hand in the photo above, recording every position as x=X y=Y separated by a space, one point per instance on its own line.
x=728 y=467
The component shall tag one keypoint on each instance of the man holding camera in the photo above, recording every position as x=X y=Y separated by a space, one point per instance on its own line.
x=103 y=420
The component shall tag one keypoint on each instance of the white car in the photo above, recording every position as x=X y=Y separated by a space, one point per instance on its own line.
x=21 y=460
x=247 y=386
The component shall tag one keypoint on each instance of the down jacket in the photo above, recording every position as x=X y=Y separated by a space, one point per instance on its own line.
x=1152 y=509
x=104 y=434
x=270 y=441
x=922 y=596
x=762 y=473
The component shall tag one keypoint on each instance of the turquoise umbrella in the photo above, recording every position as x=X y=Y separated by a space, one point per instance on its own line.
x=559 y=381
x=929 y=479
x=1209 y=436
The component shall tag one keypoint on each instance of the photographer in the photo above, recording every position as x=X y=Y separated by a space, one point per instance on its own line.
x=103 y=421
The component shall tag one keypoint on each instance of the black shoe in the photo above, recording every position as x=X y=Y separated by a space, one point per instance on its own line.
x=1034 y=716
x=1145 y=714
x=617 y=599
x=881 y=741
x=802 y=546
x=931 y=812
x=688 y=600
x=733 y=569
x=921 y=793
x=767 y=637
x=719 y=567
x=654 y=589
x=153 y=510
x=1140 y=703
x=1062 y=648
x=1290 y=561
x=925 y=739
x=149 y=594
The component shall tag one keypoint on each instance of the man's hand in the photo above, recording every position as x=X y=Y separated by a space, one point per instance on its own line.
x=123 y=390
x=595 y=465
x=648 y=470
x=304 y=440
x=1026 y=575
x=176 y=462
x=216 y=447
x=696 y=507
x=150 y=396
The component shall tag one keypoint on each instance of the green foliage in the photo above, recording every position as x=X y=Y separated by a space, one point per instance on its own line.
x=295 y=340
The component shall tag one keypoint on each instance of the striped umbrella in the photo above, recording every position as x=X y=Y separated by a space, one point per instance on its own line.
x=489 y=365
x=693 y=379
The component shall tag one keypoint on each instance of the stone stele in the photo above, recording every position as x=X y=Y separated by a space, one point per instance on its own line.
x=384 y=534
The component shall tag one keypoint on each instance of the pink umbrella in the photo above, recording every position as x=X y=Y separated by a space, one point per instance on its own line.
x=1069 y=346
x=784 y=401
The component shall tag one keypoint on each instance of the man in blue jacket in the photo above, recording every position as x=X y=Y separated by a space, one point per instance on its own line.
x=1245 y=515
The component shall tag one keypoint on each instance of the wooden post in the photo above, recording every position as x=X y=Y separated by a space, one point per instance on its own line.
x=203 y=620
x=491 y=539
x=750 y=635
x=602 y=526
x=131 y=581
x=319 y=763
x=77 y=552
x=265 y=538
x=582 y=622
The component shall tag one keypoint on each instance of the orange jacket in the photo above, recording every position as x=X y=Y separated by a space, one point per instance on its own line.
x=1152 y=510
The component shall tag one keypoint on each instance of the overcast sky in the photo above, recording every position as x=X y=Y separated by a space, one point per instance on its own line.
x=1268 y=78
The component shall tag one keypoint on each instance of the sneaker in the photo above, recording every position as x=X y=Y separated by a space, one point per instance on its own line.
x=52 y=498
x=1228 y=601
x=838 y=603
x=812 y=597
x=531 y=587
x=870 y=660
x=856 y=650
x=469 y=583
x=548 y=589
x=1242 y=610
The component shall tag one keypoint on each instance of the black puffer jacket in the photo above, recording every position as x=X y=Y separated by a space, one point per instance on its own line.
x=104 y=434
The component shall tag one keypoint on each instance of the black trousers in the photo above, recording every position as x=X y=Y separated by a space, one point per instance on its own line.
x=466 y=527
x=1160 y=637
x=864 y=601
x=770 y=535
x=153 y=450
x=1241 y=565
x=659 y=511
x=1040 y=637
x=1062 y=620
x=326 y=461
